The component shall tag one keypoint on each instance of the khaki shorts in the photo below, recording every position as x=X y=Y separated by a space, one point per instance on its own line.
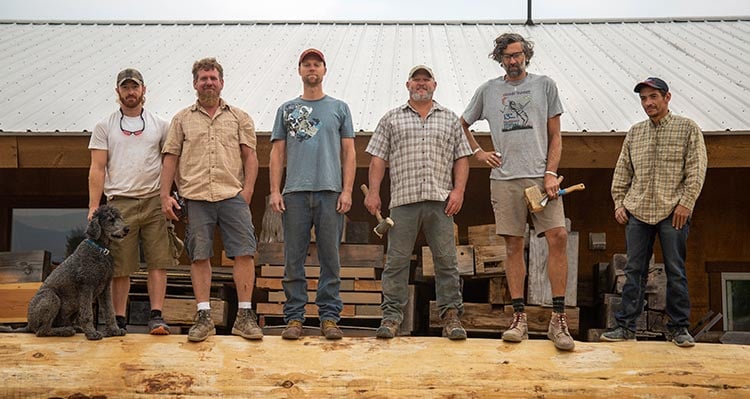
x=148 y=231
x=511 y=211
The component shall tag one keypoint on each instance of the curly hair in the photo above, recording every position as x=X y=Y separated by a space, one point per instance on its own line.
x=207 y=64
x=503 y=41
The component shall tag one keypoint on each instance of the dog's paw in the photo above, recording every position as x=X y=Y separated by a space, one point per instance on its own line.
x=67 y=332
x=115 y=332
x=94 y=335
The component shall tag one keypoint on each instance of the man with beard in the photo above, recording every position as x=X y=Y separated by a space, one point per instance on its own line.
x=125 y=167
x=428 y=157
x=314 y=134
x=527 y=148
x=657 y=180
x=210 y=148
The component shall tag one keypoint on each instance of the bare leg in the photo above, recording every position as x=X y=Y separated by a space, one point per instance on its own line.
x=515 y=267
x=557 y=263
x=244 y=277
x=200 y=273
x=120 y=290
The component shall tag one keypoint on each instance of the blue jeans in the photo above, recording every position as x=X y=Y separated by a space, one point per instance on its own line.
x=438 y=230
x=640 y=238
x=303 y=211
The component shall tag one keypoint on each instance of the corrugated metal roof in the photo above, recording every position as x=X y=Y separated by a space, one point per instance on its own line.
x=59 y=76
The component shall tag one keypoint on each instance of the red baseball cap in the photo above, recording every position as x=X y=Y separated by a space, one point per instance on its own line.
x=311 y=51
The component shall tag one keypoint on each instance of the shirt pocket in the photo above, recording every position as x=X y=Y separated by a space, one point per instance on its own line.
x=228 y=132
x=671 y=156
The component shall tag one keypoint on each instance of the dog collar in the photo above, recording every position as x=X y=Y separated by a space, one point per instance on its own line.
x=98 y=247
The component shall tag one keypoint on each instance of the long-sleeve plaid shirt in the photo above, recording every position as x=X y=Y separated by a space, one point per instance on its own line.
x=660 y=166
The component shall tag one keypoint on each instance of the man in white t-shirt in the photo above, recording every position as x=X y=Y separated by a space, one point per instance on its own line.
x=126 y=167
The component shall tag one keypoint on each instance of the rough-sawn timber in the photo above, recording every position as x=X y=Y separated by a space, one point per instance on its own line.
x=140 y=366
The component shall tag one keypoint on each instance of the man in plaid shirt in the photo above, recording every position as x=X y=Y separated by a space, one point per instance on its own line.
x=657 y=179
x=427 y=153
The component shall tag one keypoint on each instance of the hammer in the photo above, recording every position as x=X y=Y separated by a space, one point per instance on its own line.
x=536 y=201
x=383 y=224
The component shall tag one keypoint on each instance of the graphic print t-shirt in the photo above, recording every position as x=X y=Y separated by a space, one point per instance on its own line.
x=517 y=114
x=313 y=131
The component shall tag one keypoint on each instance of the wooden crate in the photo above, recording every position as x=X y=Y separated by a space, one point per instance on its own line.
x=360 y=289
x=489 y=260
x=465 y=257
x=176 y=310
x=539 y=289
x=483 y=317
x=484 y=235
x=21 y=275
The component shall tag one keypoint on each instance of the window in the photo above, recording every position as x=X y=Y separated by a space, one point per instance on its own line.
x=736 y=301
x=55 y=230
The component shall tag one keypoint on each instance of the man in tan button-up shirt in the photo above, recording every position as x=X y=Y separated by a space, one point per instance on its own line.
x=210 y=154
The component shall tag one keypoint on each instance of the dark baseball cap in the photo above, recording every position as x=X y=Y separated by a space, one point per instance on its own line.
x=656 y=83
x=129 y=74
x=311 y=51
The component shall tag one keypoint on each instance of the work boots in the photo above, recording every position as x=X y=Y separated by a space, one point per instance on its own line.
x=246 y=325
x=518 y=330
x=203 y=327
x=558 y=332
x=452 y=327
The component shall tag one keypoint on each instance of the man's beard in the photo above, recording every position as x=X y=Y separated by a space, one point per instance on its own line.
x=515 y=71
x=312 y=80
x=416 y=96
x=131 y=101
x=209 y=99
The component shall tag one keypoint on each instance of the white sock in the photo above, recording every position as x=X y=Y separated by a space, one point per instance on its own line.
x=204 y=305
x=244 y=305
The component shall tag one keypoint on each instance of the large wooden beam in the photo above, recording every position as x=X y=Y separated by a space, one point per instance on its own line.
x=580 y=150
x=143 y=366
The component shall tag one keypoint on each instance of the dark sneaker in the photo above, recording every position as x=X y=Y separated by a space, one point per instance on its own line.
x=246 y=325
x=330 y=330
x=293 y=330
x=518 y=330
x=388 y=329
x=452 y=327
x=558 y=332
x=682 y=338
x=203 y=327
x=157 y=326
x=619 y=334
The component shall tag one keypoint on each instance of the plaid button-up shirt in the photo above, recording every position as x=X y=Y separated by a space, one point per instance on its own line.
x=210 y=166
x=660 y=166
x=420 y=153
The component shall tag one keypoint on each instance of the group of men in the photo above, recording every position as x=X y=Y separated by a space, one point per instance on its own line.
x=208 y=152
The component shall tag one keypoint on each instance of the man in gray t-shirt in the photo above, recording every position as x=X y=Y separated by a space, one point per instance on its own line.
x=523 y=111
x=314 y=134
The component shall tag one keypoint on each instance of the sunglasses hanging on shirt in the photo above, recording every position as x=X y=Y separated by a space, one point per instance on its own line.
x=132 y=132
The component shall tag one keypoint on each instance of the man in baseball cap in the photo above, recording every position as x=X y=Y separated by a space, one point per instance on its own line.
x=652 y=82
x=125 y=168
x=658 y=177
x=421 y=68
x=312 y=52
x=313 y=144
x=129 y=74
x=421 y=125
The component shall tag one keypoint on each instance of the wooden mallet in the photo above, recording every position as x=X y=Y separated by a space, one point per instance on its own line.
x=383 y=224
x=536 y=201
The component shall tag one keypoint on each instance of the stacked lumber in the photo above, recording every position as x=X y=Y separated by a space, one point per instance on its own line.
x=179 y=303
x=361 y=287
x=485 y=286
x=21 y=275
x=611 y=279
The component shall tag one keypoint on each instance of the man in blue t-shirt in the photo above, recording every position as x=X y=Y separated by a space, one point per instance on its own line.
x=314 y=134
